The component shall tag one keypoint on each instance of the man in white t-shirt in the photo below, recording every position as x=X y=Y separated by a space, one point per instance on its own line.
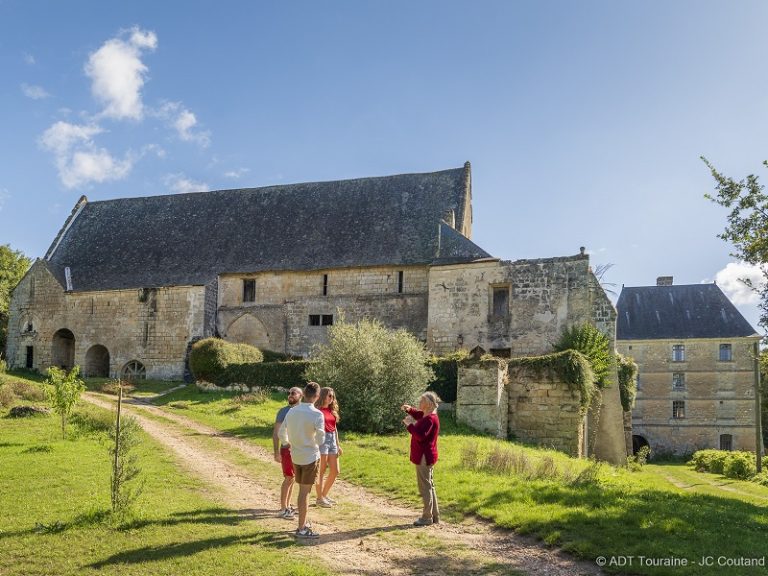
x=303 y=429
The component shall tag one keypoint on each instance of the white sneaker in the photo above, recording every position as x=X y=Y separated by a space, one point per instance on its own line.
x=323 y=503
x=307 y=533
x=330 y=501
x=287 y=514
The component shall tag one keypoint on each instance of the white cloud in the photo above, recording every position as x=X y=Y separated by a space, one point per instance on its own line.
x=180 y=184
x=78 y=159
x=118 y=74
x=729 y=279
x=235 y=174
x=34 y=92
x=184 y=122
x=29 y=59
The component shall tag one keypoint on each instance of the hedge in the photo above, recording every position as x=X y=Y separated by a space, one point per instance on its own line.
x=731 y=464
x=265 y=374
x=211 y=357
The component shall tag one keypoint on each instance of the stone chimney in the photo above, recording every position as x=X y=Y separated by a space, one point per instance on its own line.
x=664 y=281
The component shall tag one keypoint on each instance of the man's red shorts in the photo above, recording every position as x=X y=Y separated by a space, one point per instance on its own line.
x=286 y=462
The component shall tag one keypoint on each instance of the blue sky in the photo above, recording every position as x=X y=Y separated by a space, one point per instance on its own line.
x=584 y=121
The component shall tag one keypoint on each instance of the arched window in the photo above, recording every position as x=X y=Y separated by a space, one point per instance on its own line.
x=134 y=370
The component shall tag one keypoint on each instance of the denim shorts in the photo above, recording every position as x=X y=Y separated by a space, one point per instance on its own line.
x=329 y=446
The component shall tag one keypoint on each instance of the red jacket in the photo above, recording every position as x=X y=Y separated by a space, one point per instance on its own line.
x=424 y=436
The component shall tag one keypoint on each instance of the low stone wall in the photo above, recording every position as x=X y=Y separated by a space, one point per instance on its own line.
x=530 y=405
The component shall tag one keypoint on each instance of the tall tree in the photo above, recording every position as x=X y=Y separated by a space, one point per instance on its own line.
x=13 y=265
x=747 y=227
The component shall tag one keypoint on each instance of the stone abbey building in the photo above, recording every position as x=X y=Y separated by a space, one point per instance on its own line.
x=129 y=284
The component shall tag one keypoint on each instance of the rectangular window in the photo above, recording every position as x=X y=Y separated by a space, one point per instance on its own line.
x=726 y=442
x=500 y=302
x=726 y=353
x=249 y=290
x=678 y=381
x=400 y=282
x=30 y=357
x=501 y=352
x=327 y=320
x=678 y=353
x=325 y=284
x=314 y=319
x=678 y=409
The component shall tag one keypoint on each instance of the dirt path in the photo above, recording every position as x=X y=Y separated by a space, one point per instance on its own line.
x=365 y=534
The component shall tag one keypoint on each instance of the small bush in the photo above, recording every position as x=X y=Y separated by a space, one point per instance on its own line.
x=636 y=462
x=595 y=346
x=210 y=358
x=741 y=465
x=65 y=391
x=27 y=391
x=738 y=465
x=590 y=474
x=761 y=478
x=7 y=396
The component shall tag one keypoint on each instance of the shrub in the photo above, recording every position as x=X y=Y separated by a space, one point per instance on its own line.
x=64 y=393
x=595 y=346
x=636 y=462
x=27 y=391
x=265 y=374
x=446 y=369
x=740 y=465
x=761 y=478
x=627 y=373
x=210 y=358
x=374 y=371
x=7 y=397
x=272 y=356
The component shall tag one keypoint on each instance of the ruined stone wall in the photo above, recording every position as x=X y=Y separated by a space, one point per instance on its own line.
x=279 y=317
x=718 y=395
x=529 y=405
x=545 y=296
x=149 y=326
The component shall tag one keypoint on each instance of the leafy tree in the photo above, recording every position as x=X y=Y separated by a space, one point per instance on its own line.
x=374 y=371
x=747 y=227
x=64 y=393
x=13 y=265
x=595 y=346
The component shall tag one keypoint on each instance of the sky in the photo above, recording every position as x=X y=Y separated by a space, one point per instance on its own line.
x=584 y=121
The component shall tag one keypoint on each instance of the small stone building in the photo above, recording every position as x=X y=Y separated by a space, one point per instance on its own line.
x=129 y=284
x=696 y=381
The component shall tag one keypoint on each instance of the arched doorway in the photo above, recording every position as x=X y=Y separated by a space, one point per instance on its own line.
x=638 y=442
x=133 y=370
x=63 y=349
x=97 y=361
x=249 y=330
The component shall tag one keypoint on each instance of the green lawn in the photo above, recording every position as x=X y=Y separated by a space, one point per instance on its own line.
x=54 y=498
x=619 y=513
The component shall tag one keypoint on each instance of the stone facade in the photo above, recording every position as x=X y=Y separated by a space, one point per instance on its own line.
x=291 y=311
x=103 y=331
x=695 y=403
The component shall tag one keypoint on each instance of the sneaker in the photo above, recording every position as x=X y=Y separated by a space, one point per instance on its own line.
x=330 y=501
x=307 y=533
x=423 y=522
x=323 y=503
x=287 y=514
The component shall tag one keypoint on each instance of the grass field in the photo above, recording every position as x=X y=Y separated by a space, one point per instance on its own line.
x=55 y=520
x=662 y=511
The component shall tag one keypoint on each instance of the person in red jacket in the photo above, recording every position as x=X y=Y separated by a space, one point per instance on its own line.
x=424 y=426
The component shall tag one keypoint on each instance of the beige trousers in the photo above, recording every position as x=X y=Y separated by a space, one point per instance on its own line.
x=431 y=511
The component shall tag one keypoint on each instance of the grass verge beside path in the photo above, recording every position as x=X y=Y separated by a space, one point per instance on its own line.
x=54 y=497
x=618 y=513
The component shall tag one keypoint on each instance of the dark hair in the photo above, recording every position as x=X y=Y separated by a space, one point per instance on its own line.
x=311 y=390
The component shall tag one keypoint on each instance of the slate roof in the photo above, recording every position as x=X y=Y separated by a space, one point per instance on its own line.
x=685 y=311
x=188 y=239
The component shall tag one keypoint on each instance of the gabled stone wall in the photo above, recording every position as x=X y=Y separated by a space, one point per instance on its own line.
x=151 y=326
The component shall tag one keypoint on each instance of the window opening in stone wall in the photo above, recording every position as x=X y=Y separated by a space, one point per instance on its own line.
x=726 y=353
x=249 y=290
x=678 y=353
x=501 y=302
x=133 y=370
x=63 y=349
x=327 y=320
x=501 y=352
x=726 y=442
x=30 y=357
x=678 y=381
x=400 y=282
x=678 y=409
x=325 y=284
x=314 y=319
x=30 y=327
